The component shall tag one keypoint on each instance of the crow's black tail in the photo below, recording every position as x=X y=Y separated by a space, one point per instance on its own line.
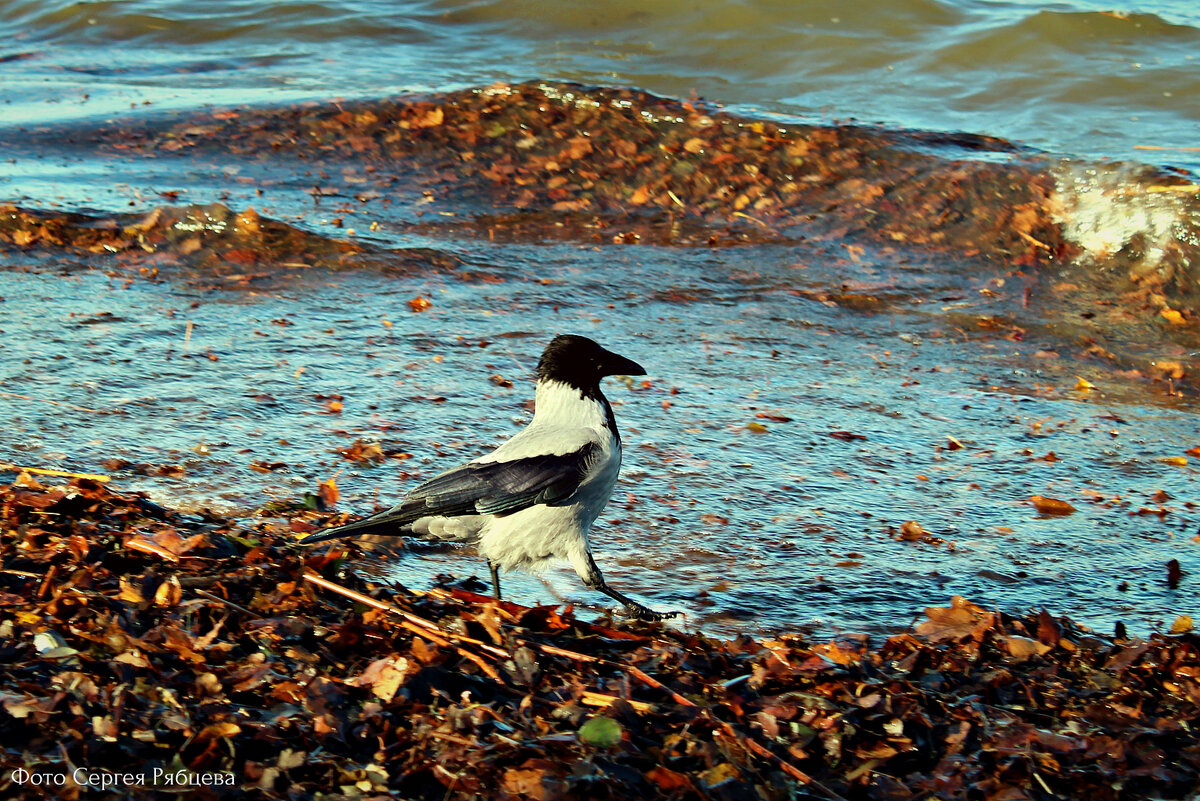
x=383 y=523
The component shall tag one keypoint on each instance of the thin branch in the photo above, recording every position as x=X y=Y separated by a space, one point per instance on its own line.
x=45 y=471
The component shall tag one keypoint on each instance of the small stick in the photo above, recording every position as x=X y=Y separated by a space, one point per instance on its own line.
x=426 y=628
x=604 y=700
x=395 y=610
x=139 y=543
x=1037 y=243
x=56 y=403
x=477 y=659
x=658 y=685
x=44 y=471
x=50 y=574
x=420 y=631
x=636 y=671
x=727 y=732
x=210 y=596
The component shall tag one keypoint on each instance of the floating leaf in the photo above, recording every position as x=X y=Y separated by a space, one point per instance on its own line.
x=327 y=491
x=1051 y=506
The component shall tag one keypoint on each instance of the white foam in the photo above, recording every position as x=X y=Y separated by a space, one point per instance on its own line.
x=1102 y=208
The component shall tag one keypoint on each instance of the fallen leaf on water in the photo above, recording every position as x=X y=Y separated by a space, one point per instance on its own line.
x=1182 y=625
x=1180 y=461
x=419 y=304
x=328 y=492
x=1083 y=385
x=360 y=451
x=1051 y=506
x=912 y=531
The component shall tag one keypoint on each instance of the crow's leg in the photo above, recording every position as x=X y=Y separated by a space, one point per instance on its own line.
x=594 y=580
x=495 y=568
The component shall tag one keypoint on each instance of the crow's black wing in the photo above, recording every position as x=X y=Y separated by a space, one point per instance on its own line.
x=479 y=488
x=501 y=487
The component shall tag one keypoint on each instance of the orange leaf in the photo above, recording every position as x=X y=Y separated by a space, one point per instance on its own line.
x=215 y=730
x=140 y=543
x=959 y=620
x=1022 y=647
x=1051 y=506
x=668 y=780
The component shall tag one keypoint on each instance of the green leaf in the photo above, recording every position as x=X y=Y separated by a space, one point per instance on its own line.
x=600 y=732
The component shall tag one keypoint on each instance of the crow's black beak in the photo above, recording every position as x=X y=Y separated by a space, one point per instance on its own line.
x=619 y=365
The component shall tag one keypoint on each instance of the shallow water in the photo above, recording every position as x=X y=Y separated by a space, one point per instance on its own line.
x=740 y=529
x=890 y=385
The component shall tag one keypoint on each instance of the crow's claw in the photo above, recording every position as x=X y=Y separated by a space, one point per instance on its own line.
x=639 y=612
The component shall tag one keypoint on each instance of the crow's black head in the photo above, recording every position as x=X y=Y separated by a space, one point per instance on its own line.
x=581 y=363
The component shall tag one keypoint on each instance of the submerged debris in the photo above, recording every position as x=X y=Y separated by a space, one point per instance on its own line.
x=144 y=647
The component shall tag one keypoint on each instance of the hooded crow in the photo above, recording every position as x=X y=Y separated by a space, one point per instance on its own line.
x=534 y=498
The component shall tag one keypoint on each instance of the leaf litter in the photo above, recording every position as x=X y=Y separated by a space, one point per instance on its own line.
x=134 y=636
